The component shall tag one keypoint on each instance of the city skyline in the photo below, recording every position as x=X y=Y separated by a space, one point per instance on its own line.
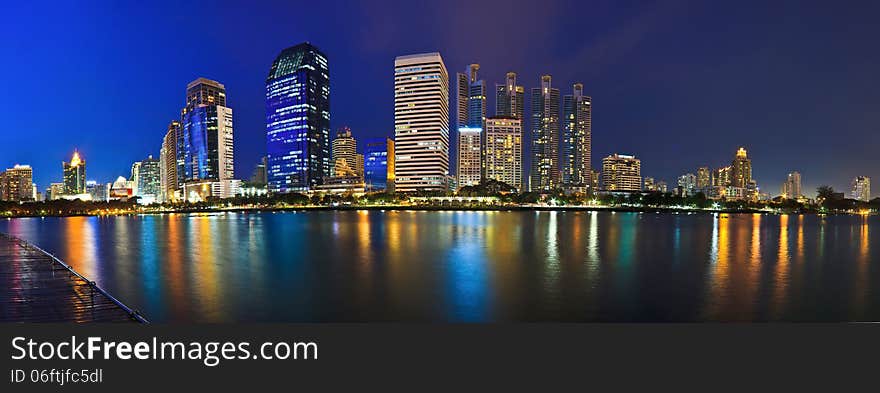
x=774 y=139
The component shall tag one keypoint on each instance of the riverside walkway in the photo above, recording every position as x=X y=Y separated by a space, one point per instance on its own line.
x=35 y=286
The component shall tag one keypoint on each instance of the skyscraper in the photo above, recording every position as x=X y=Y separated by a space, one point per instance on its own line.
x=470 y=118
x=688 y=183
x=545 y=137
x=149 y=182
x=134 y=179
x=704 y=178
x=207 y=145
x=861 y=188
x=16 y=184
x=576 y=138
x=510 y=98
x=622 y=173
x=168 y=163
x=421 y=123
x=741 y=169
x=260 y=177
x=74 y=175
x=504 y=153
x=344 y=154
x=791 y=188
x=379 y=165
x=298 y=119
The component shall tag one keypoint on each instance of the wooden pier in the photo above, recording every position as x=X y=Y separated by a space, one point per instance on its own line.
x=36 y=286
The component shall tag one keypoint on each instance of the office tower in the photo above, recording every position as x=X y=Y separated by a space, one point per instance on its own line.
x=55 y=191
x=379 y=165
x=260 y=177
x=688 y=183
x=470 y=118
x=135 y=177
x=649 y=184
x=168 y=162
x=16 y=184
x=510 y=98
x=298 y=119
x=545 y=137
x=721 y=177
x=99 y=192
x=149 y=183
x=791 y=188
x=861 y=188
x=622 y=173
x=344 y=154
x=741 y=169
x=504 y=152
x=421 y=123
x=74 y=175
x=207 y=133
x=704 y=178
x=576 y=137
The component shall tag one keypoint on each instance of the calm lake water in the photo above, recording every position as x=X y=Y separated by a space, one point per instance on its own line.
x=474 y=266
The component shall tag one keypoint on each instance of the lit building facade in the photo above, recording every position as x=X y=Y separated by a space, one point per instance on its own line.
x=169 y=182
x=861 y=188
x=577 y=116
x=704 y=178
x=545 y=137
x=298 y=119
x=791 y=187
x=379 y=165
x=207 y=147
x=470 y=119
x=688 y=183
x=421 y=123
x=510 y=98
x=622 y=173
x=149 y=181
x=741 y=169
x=504 y=150
x=344 y=154
x=16 y=184
x=74 y=175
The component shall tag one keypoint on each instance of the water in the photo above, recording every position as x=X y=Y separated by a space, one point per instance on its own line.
x=474 y=266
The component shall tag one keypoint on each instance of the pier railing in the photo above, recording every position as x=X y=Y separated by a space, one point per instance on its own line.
x=133 y=314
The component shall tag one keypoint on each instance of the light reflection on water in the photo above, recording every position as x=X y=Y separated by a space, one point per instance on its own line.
x=473 y=266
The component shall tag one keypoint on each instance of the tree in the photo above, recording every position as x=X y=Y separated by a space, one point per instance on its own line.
x=825 y=192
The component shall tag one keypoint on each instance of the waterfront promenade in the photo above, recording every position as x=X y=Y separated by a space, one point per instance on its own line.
x=37 y=287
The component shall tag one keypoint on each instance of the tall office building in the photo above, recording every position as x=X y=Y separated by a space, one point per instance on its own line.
x=510 y=98
x=470 y=119
x=861 y=188
x=622 y=173
x=344 y=154
x=379 y=165
x=74 y=175
x=421 y=123
x=688 y=183
x=260 y=176
x=721 y=177
x=168 y=163
x=704 y=178
x=576 y=138
x=134 y=179
x=791 y=188
x=741 y=169
x=504 y=153
x=207 y=146
x=16 y=184
x=149 y=183
x=298 y=119
x=545 y=137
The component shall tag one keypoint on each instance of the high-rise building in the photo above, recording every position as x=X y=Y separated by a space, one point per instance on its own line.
x=622 y=173
x=576 y=138
x=55 y=191
x=379 y=165
x=688 y=183
x=99 y=192
x=510 y=98
x=791 y=187
x=504 y=152
x=721 y=177
x=421 y=123
x=168 y=164
x=344 y=154
x=470 y=120
x=260 y=177
x=207 y=148
x=545 y=137
x=861 y=188
x=149 y=183
x=135 y=177
x=704 y=178
x=298 y=119
x=74 y=175
x=16 y=184
x=741 y=169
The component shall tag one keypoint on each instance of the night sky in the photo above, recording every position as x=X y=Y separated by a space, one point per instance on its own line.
x=677 y=83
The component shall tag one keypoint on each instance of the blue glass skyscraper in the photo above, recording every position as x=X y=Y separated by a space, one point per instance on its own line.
x=205 y=147
x=379 y=164
x=298 y=119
